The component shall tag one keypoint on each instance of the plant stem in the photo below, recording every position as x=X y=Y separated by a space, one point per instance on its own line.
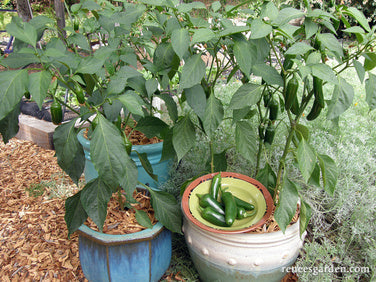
x=212 y=156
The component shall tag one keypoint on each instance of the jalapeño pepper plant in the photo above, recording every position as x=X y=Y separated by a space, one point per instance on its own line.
x=119 y=60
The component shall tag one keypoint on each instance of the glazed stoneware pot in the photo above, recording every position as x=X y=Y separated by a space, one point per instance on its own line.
x=154 y=154
x=141 y=256
x=235 y=254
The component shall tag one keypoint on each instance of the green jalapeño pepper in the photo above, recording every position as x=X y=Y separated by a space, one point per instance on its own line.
x=231 y=209
x=27 y=95
x=291 y=91
x=206 y=200
x=215 y=186
x=273 y=109
x=127 y=143
x=242 y=213
x=317 y=91
x=243 y=204
x=56 y=112
x=315 y=110
x=213 y=217
x=269 y=134
x=80 y=96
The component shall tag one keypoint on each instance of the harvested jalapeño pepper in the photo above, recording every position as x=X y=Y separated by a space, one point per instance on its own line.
x=215 y=186
x=207 y=200
x=230 y=207
x=242 y=213
x=213 y=217
x=243 y=204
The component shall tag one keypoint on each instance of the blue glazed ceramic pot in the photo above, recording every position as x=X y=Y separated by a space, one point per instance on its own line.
x=154 y=154
x=142 y=256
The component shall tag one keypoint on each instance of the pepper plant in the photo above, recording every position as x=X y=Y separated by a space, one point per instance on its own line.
x=143 y=47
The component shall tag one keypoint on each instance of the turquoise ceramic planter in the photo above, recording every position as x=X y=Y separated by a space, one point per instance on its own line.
x=154 y=154
x=142 y=256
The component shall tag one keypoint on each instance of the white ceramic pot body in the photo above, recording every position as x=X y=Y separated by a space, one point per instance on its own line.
x=242 y=257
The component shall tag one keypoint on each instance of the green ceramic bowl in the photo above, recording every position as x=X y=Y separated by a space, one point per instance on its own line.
x=240 y=187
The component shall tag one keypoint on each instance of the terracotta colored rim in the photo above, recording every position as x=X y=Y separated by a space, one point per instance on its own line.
x=257 y=184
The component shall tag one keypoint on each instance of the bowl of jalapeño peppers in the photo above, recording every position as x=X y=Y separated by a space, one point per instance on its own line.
x=227 y=203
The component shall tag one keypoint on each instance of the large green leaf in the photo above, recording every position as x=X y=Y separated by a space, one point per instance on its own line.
x=324 y=72
x=329 y=172
x=359 y=70
x=310 y=27
x=147 y=165
x=359 y=16
x=170 y=103
x=75 y=215
x=196 y=99
x=260 y=29
x=9 y=125
x=192 y=72
x=213 y=115
x=330 y=42
x=80 y=40
x=110 y=158
x=371 y=91
x=39 y=83
x=184 y=136
x=13 y=85
x=369 y=60
x=219 y=162
x=165 y=58
x=268 y=73
x=268 y=178
x=247 y=95
x=90 y=65
x=287 y=204
x=151 y=126
x=342 y=99
x=23 y=31
x=166 y=209
x=286 y=15
x=131 y=15
x=69 y=152
x=305 y=216
x=202 y=35
x=306 y=158
x=246 y=140
x=180 y=41
x=245 y=55
x=132 y=102
x=94 y=199
x=143 y=218
x=299 y=48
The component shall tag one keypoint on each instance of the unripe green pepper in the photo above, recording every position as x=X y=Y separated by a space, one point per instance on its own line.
x=243 y=204
x=215 y=186
x=231 y=209
x=56 y=112
x=315 y=111
x=273 y=109
x=261 y=130
x=127 y=143
x=80 y=95
x=291 y=92
x=213 y=217
x=266 y=98
x=27 y=95
x=318 y=92
x=242 y=213
x=207 y=200
x=269 y=134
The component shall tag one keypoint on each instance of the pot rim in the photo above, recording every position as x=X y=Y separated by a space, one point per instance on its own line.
x=111 y=239
x=187 y=213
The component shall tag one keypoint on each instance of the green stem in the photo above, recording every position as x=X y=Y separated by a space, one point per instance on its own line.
x=212 y=156
x=120 y=201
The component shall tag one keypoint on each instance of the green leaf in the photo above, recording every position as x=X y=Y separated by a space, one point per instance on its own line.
x=151 y=126
x=369 y=61
x=342 y=99
x=13 y=85
x=306 y=158
x=247 y=95
x=19 y=60
x=354 y=29
x=80 y=40
x=131 y=15
x=23 y=31
x=167 y=210
x=168 y=151
x=268 y=73
x=269 y=10
x=75 y=215
x=302 y=131
x=299 y=48
x=180 y=41
x=213 y=115
x=219 y=162
x=202 y=35
x=233 y=30
x=330 y=42
x=286 y=15
x=259 y=29
x=94 y=199
x=245 y=55
x=143 y=218
x=359 y=70
x=192 y=72
x=151 y=86
x=132 y=102
x=216 y=5
x=110 y=158
x=39 y=83
x=147 y=165
x=172 y=108
x=315 y=176
x=329 y=172
x=287 y=204
x=246 y=140
x=184 y=136
x=165 y=58
x=9 y=125
x=324 y=72
x=311 y=27
x=196 y=99
x=359 y=16
x=268 y=178
x=371 y=91
x=305 y=216
x=90 y=65
x=69 y=151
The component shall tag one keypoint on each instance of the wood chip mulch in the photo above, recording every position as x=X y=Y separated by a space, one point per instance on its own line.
x=33 y=234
